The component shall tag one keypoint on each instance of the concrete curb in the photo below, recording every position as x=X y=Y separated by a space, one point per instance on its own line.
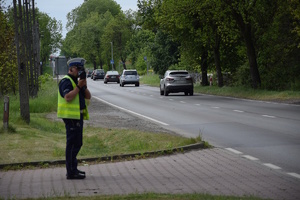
x=199 y=145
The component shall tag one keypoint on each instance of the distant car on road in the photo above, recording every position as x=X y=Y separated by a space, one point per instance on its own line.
x=98 y=74
x=89 y=73
x=175 y=81
x=129 y=77
x=112 y=76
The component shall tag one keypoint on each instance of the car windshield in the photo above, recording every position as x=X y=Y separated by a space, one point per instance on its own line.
x=113 y=73
x=179 y=73
x=130 y=73
x=99 y=71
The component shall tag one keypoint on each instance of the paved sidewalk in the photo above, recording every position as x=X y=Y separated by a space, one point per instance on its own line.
x=215 y=171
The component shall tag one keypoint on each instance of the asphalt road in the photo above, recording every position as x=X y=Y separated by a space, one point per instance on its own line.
x=266 y=132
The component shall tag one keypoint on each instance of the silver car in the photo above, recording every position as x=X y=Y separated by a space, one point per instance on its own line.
x=175 y=81
x=129 y=77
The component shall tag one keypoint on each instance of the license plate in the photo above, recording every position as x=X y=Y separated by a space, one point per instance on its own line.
x=113 y=76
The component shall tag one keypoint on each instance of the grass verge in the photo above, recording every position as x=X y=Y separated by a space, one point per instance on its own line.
x=44 y=139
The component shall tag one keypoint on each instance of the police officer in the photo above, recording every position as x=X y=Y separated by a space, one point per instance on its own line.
x=72 y=109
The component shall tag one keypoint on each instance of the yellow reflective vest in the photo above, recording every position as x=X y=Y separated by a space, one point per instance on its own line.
x=70 y=110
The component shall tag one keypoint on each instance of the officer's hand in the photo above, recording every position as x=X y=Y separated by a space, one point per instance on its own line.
x=81 y=83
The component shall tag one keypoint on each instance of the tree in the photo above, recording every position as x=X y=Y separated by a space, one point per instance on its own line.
x=8 y=64
x=86 y=25
x=246 y=14
x=119 y=32
x=145 y=15
x=81 y=13
x=20 y=40
x=165 y=52
x=188 y=24
x=140 y=42
x=50 y=35
x=88 y=34
x=278 y=50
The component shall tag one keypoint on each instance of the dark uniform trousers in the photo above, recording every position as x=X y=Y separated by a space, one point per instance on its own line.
x=74 y=130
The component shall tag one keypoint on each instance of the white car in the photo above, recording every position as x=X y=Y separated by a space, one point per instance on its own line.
x=175 y=81
x=129 y=77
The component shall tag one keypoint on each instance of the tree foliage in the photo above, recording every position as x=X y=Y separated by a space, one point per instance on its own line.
x=50 y=35
x=8 y=64
x=86 y=25
x=232 y=34
x=256 y=42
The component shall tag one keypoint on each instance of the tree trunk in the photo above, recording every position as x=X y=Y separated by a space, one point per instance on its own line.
x=124 y=63
x=95 y=64
x=217 y=60
x=204 y=67
x=23 y=86
x=246 y=32
x=256 y=82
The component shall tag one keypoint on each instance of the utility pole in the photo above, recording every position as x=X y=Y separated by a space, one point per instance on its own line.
x=112 y=56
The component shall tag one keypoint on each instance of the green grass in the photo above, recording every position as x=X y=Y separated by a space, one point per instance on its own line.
x=44 y=138
x=150 y=79
x=238 y=92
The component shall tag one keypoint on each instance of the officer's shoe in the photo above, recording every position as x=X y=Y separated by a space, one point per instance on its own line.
x=76 y=176
x=80 y=172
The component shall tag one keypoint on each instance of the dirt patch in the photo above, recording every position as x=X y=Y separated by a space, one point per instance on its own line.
x=106 y=116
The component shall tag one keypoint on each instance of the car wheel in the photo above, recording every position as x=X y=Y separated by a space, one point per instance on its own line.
x=192 y=92
x=186 y=93
x=105 y=82
x=137 y=84
x=122 y=84
x=161 y=91
x=165 y=92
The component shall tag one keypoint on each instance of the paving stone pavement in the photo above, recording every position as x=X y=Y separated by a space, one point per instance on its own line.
x=214 y=171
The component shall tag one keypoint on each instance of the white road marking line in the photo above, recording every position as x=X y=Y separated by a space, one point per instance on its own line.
x=272 y=166
x=182 y=102
x=239 y=111
x=234 y=151
x=294 y=175
x=250 y=157
x=197 y=104
x=132 y=112
x=216 y=107
x=171 y=99
x=269 y=116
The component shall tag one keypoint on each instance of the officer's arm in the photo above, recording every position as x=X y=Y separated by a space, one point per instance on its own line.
x=72 y=94
x=87 y=94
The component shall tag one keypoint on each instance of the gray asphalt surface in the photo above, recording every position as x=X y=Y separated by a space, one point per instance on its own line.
x=268 y=131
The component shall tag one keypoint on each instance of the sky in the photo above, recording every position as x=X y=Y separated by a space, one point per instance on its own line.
x=60 y=8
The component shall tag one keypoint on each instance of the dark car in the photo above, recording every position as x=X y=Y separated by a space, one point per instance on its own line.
x=175 y=81
x=112 y=76
x=88 y=73
x=98 y=74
